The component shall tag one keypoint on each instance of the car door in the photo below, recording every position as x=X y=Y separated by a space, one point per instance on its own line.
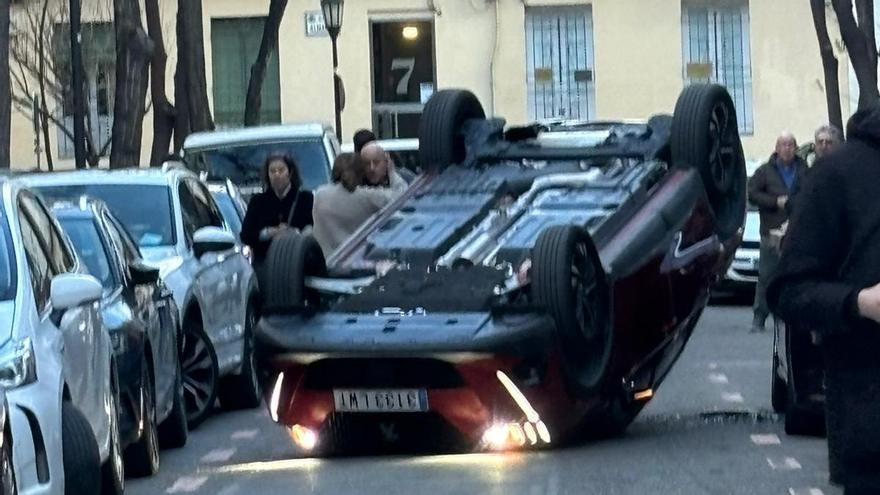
x=228 y=291
x=86 y=346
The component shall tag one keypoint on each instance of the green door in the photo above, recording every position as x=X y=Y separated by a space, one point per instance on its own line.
x=235 y=44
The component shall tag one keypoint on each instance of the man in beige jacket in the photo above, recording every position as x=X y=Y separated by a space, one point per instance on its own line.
x=342 y=206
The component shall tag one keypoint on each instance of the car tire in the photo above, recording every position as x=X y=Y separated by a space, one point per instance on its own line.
x=291 y=258
x=200 y=373
x=81 y=459
x=7 y=482
x=566 y=269
x=113 y=470
x=705 y=137
x=441 y=142
x=142 y=457
x=778 y=387
x=174 y=431
x=243 y=391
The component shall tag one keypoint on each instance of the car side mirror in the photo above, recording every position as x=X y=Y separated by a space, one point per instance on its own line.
x=142 y=273
x=211 y=240
x=69 y=290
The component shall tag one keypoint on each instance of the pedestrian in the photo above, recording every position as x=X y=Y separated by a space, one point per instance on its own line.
x=381 y=171
x=342 y=206
x=769 y=189
x=825 y=140
x=283 y=205
x=361 y=138
x=828 y=280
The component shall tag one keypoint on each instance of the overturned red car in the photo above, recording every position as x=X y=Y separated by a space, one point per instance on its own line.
x=534 y=285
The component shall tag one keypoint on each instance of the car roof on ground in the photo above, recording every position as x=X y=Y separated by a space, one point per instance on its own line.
x=250 y=135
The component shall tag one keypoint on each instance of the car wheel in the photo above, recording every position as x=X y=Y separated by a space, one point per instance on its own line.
x=291 y=258
x=705 y=137
x=569 y=282
x=798 y=420
x=778 y=387
x=441 y=142
x=142 y=457
x=81 y=459
x=8 y=481
x=200 y=373
x=173 y=432
x=113 y=470
x=243 y=391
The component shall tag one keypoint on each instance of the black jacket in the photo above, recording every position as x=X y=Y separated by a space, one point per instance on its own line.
x=766 y=186
x=267 y=210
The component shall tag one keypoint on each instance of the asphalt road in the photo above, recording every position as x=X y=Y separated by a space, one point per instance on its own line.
x=709 y=430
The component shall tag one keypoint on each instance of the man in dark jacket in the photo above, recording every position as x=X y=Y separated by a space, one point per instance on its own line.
x=827 y=279
x=769 y=189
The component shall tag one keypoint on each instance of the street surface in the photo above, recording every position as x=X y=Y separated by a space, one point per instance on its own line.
x=709 y=430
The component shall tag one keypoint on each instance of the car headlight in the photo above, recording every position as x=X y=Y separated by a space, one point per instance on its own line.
x=17 y=364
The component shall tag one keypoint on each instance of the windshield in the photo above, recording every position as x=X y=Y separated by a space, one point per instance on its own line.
x=7 y=260
x=143 y=209
x=84 y=235
x=228 y=210
x=244 y=164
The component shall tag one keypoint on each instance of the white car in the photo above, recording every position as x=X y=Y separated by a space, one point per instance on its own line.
x=743 y=271
x=54 y=354
x=178 y=226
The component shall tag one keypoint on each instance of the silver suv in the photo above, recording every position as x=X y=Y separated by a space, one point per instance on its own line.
x=179 y=229
x=239 y=154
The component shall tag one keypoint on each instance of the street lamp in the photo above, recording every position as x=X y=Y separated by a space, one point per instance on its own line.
x=332 y=10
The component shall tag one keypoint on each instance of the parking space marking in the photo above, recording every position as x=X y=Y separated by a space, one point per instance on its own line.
x=187 y=484
x=732 y=397
x=805 y=491
x=719 y=378
x=245 y=435
x=768 y=439
x=786 y=464
x=218 y=455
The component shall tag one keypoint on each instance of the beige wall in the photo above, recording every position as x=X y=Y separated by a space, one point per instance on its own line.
x=480 y=45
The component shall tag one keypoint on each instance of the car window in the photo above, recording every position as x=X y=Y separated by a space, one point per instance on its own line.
x=83 y=233
x=208 y=213
x=188 y=211
x=7 y=260
x=119 y=236
x=230 y=213
x=244 y=164
x=144 y=209
x=37 y=260
x=60 y=257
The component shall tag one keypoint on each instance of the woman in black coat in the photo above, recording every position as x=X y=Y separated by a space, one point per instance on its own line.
x=282 y=205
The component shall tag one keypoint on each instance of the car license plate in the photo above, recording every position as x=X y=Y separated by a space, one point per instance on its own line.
x=373 y=401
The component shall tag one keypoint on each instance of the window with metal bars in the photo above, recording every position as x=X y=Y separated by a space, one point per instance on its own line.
x=559 y=59
x=715 y=46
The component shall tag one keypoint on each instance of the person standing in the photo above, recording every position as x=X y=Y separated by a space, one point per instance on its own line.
x=769 y=189
x=828 y=279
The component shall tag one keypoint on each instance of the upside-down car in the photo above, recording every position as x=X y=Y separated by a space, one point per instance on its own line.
x=533 y=285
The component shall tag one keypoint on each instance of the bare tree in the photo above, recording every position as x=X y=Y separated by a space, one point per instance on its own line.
x=268 y=44
x=163 y=110
x=860 y=44
x=191 y=87
x=5 y=103
x=133 y=52
x=40 y=74
x=829 y=63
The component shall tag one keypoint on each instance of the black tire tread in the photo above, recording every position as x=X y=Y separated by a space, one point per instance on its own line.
x=82 y=461
x=237 y=391
x=440 y=143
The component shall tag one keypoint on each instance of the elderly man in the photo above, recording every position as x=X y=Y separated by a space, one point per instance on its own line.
x=825 y=140
x=381 y=171
x=769 y=189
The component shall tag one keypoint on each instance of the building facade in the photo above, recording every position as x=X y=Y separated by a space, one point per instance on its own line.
x=524 y=59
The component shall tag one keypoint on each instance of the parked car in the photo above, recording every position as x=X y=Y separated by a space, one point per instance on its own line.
x=239 y=154
x=179 y=229
x=742 y=276
x=536 y=282
x=7 y=471
x=55 y=355
x=142 y=318
x=231 y=203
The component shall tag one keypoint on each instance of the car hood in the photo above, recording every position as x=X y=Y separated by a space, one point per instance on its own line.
x=7 y=311
x=165 y=258
x=752 y=227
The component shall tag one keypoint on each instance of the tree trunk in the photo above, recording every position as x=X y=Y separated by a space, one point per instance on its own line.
x=862 y=53
x=133 y=51
x=182 y=126
x=42 y=107
x=254 y=99
x=829 y=64
x=163 y=111
x=5 y=93
x=191 y=48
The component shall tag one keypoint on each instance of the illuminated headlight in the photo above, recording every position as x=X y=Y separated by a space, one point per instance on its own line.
x=17 y=365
